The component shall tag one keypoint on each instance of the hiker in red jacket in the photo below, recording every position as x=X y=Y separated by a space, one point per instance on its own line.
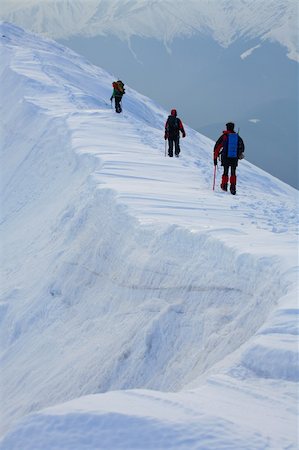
x=230 y=147
x=173 y=127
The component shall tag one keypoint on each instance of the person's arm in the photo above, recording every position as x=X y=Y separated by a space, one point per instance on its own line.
x=217 y=149
x=166 y=130
x=181 y=128
x=241 y=148
x=112 y=95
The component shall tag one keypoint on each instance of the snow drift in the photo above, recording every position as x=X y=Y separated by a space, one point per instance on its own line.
x=122 y=270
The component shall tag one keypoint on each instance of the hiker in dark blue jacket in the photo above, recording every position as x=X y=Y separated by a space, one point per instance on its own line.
x=173 y=126
x=230 y=147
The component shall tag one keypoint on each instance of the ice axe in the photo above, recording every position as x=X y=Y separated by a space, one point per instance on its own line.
x=214 y=179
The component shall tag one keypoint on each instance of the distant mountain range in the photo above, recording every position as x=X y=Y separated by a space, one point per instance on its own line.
x=224 y=20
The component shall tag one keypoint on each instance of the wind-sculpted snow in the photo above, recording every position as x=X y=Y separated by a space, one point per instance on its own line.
x=123 y=270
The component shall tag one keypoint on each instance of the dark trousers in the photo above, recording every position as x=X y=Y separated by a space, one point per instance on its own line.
x=174 y=141
x=118 y=104
x=226 y=169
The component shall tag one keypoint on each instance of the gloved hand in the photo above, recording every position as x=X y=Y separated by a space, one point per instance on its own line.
x=215 y=161
x=111 y=98
x=165 y=136
x=184 y=134
x=241 y=156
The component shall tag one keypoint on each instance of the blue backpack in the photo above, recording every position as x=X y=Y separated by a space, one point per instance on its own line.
x=232 y=145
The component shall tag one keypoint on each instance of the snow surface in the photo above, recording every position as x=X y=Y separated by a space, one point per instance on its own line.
x=224 y=20
x=139 y=308
x=249 y=52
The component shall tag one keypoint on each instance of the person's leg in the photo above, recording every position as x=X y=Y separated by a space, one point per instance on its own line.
x=177 y=146
x=117 y=104
x=233 y=179
x=170 y=147
x=224 y=179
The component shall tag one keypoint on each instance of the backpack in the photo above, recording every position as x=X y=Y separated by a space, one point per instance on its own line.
x=173 y=125
x=121 y=86
x=232 y=145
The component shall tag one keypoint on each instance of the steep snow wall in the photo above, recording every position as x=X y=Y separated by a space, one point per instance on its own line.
x=93 y=299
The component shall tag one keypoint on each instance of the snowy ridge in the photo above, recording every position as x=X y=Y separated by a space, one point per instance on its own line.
x=274 y=20
x=115 y=274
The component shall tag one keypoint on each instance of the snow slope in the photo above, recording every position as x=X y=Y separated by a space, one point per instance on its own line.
x=226 y=21
x=133 y=296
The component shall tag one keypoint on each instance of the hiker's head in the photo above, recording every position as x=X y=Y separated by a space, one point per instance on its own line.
x=173 y=112
x=230 y=126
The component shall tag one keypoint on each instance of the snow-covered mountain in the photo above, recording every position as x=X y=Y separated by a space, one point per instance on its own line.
x=214 y=60
x=139 y=308
x=274 y=20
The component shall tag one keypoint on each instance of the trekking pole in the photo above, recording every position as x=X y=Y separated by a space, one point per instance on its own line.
x=215 y=168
